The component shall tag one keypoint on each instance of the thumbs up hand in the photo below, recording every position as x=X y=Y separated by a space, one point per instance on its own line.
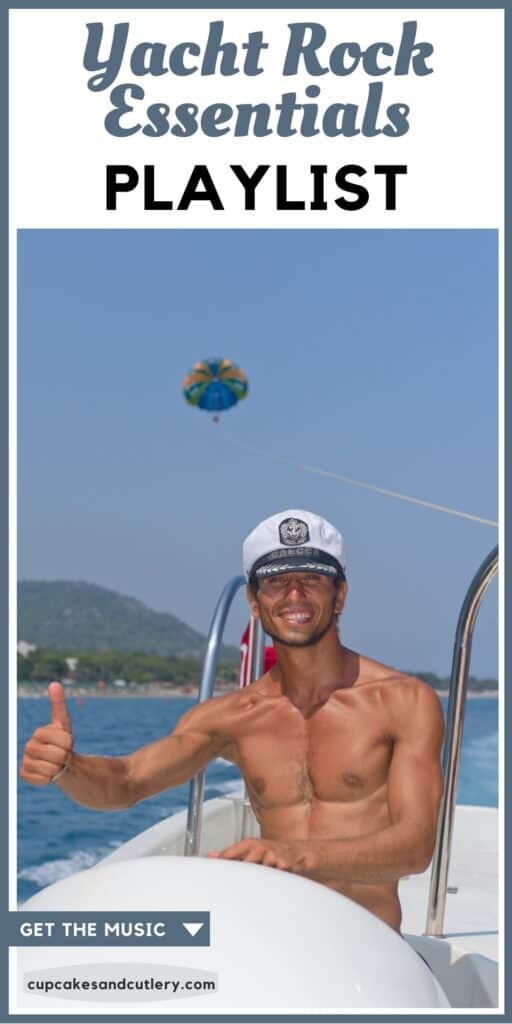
x=60 y=714
x=49 y=750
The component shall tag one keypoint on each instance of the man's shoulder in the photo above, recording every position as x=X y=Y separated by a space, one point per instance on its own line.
x=206 y=713
x=395 y=686
x=376 y=672
x=217 y=706
x=412 y=708
x=222 y=702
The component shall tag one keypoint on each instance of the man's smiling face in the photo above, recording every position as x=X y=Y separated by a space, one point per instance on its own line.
x=297 y=608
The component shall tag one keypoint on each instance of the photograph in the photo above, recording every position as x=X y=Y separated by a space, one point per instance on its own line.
x=258 y=624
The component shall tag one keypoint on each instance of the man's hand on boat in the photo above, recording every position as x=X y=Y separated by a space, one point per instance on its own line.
x=285 y=856
x=48 y=750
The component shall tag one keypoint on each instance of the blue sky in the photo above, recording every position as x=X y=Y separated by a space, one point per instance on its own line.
x=369 y=353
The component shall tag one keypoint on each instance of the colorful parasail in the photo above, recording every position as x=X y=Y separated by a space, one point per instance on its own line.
x=215 y=385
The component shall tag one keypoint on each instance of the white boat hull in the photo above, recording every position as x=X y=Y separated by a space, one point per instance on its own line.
x=464 y=963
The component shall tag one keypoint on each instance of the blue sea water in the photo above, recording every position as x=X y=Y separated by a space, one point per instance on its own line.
x=57 y=837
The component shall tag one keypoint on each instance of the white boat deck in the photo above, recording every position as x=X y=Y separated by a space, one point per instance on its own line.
x=465 y=961
x=471 y=916
x=472 y=911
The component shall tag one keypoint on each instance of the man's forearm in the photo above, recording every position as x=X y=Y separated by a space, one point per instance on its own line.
x=102 y=783
x=383 y=856
x=112 y=783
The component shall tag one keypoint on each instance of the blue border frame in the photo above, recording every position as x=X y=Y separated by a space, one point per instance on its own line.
x=506 y=6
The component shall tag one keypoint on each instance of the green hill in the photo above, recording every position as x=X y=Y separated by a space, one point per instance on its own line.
x=63 y=614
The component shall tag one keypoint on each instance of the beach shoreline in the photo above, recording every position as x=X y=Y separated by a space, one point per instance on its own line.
x=173 y=692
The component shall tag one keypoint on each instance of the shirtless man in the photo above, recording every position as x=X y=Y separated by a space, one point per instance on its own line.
x=341 y=755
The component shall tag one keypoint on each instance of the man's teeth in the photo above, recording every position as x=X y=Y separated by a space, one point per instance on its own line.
x=297 y=616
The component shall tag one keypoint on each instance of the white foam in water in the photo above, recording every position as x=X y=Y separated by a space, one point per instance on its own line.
x=224 y=788
x=482 y=754
x=54 y=870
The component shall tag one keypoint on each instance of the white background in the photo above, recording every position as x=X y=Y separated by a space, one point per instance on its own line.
x=453 y=149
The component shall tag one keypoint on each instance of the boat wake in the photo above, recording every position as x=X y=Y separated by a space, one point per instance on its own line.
x=53 y=870
x=478 y=778
x=223 y=788
x=483 y=752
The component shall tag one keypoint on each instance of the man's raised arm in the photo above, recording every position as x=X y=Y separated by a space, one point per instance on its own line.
x=111 y=783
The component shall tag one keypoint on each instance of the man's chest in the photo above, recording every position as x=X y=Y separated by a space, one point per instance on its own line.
x=338 y=755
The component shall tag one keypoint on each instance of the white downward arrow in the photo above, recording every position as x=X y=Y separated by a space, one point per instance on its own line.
x=193 y=926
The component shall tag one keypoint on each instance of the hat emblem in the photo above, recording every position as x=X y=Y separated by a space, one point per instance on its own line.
x=293 y=531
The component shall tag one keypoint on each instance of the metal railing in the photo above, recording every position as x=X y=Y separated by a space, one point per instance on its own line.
x=453 y=740
x=255 y=660
x=206 y=688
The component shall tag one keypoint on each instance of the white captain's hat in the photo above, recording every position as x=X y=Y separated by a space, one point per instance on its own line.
x=294 y=541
